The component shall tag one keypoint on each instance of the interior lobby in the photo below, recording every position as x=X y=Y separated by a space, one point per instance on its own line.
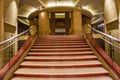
x=64 y=30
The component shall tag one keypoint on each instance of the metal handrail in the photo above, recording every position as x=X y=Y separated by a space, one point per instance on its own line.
x=106 y=35
x=111 y=37
x=12 y=38
x=109 y=52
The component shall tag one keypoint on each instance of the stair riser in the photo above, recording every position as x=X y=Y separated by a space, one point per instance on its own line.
x=59 y=50
x=52 y=47
x=62 y=76
x=77 y=39
x=56 y=60
x=61 y=54
x=60 y=42
x=69 y=67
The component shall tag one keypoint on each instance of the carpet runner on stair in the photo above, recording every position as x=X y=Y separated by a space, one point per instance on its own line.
x=61 y=58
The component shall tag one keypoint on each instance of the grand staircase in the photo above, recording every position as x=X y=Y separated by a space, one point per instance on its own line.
x=61 y=58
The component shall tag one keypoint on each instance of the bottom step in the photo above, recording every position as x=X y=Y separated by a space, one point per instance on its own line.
x=81 y=78
x=61 y=73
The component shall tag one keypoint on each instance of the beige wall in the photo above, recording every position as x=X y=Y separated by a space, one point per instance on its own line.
x=76 y=22
x=110 y=11
x=118 y=11
x=1 y=30
x=11 y=12
x=1 y=20
x=112 y=24
x=8 y=24
x=112 y=15
x=10 y=19
x=44 y=27
x=118 y=6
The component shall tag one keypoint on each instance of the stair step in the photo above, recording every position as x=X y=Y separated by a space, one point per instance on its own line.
x=62 y=73
x=60 y=50
x=79 y=52
x=61 y=40
x=65 y=64
x=59 y=58
x=61 y=53
x=58 y=39
x=62 y=46
x=48 y=41
x=80 y=78
x=50 y=44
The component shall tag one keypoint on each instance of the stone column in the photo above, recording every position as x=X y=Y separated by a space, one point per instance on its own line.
x=43 y=28
x=1 y=20
x=34 y=27
x=77 y=22
x=71 y=29
x=67 y=22
x=119 y=15
x=52 y=22
x=1 y=30
x=118 y=12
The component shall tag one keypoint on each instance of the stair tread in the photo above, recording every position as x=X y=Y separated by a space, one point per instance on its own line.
x=60 y=43
x=62 y=46
x=61 y=49
x=82 y=52
x=64 y=63
x=59 y=39
x=64 y=71
x=80 y=78
x=59 y=57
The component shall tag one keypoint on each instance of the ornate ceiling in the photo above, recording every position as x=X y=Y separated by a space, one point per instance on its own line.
x=28 y=6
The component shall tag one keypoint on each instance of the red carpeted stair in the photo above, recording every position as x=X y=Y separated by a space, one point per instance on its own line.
x=61 y=58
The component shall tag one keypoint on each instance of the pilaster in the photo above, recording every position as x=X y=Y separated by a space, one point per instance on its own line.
x=44 y=27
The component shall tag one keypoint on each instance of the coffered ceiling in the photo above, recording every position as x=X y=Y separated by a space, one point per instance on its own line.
x=28 y=6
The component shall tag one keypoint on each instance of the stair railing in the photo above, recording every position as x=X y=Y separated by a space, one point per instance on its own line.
x=106 y=45
x=8 y=52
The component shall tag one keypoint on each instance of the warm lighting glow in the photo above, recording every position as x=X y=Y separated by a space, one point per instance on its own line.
x=11 y=13
x=59 y=30
x=42 y=13
x=89 y=9
x=26 y=10
x=31 y=10
x=110 y=12
x=60 y=3
x=59 y=14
